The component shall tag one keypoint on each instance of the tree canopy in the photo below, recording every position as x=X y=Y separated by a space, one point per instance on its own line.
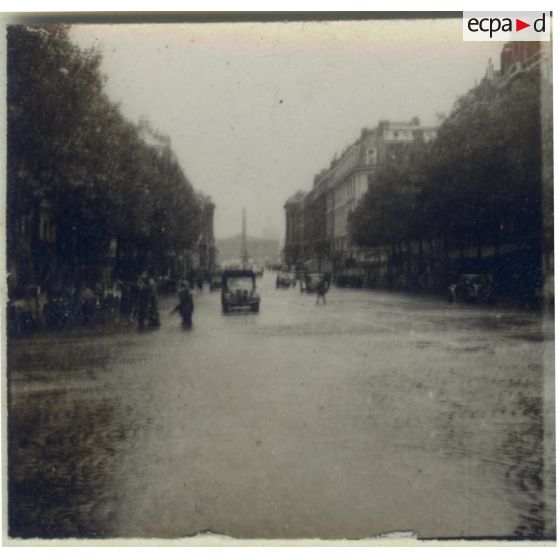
x=480 y=179
x=70 y=145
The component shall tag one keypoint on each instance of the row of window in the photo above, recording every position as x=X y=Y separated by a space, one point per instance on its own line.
x=418 y=133
x=348 y=191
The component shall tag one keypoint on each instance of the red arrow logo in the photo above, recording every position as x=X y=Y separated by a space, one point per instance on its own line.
x=519 y=25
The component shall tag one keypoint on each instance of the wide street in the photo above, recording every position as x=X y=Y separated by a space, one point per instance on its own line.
x=376 y=412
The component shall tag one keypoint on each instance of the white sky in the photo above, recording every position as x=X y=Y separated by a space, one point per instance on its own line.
x=255 y=110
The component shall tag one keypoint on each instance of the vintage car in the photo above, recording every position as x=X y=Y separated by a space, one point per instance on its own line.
x=238 y=290
x=285 y=279
x=309 y=282
x=472 y=288
x=25 y=309
x=216 y=281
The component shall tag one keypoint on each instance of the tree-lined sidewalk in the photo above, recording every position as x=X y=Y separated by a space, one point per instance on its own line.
x=478 y=184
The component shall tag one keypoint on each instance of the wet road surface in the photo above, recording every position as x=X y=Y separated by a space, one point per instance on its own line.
x=373 y=413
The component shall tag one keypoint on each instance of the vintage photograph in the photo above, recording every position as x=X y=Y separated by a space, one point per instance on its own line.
x=278 y=276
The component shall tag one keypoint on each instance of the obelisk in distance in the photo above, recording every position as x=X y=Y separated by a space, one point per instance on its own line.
x=244 y=255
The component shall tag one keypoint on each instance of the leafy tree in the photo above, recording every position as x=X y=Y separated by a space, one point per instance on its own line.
x=480 y=181
x=388 y=213
x=69 y=144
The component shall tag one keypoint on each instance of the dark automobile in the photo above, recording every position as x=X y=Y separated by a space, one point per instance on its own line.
x=472 y=288
x=285 y=279
x=238 y=290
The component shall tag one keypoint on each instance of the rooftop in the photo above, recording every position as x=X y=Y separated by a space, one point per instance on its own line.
x=296 y=198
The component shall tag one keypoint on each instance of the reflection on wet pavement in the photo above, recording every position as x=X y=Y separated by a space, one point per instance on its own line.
x=375 y=412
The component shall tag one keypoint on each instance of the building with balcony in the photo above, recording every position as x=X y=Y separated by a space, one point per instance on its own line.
x=519 y=56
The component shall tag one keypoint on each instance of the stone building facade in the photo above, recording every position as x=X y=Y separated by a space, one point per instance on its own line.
x=294 y=233
x=321 y=216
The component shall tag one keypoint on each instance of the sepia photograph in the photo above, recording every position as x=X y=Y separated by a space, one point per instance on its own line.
x=279 y=277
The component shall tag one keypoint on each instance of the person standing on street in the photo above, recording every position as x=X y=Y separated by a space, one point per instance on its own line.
x=185 y=305
x=327 y=279
x=153 y=312
x=143 y=297
x=134 y=301
x=321 y=290
x=88 y=304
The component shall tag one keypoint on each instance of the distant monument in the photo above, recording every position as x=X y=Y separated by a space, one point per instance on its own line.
x=244 y=254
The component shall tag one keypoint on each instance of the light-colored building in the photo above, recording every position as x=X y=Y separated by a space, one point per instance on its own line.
x=317 y=222
x=348 y=177
x=344 y=184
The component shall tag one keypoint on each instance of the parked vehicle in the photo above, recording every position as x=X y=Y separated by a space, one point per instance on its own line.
x=285 y=279
x=472 y=288
x=25 y=309
x=309 y=282
x=216 y=281
x=238 y=290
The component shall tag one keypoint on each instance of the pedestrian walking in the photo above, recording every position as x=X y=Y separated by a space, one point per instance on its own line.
x=153 y=311
x=185 y=305
x=88 y=304
x=135 y=287
x=321 y=290
x=143 y=299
